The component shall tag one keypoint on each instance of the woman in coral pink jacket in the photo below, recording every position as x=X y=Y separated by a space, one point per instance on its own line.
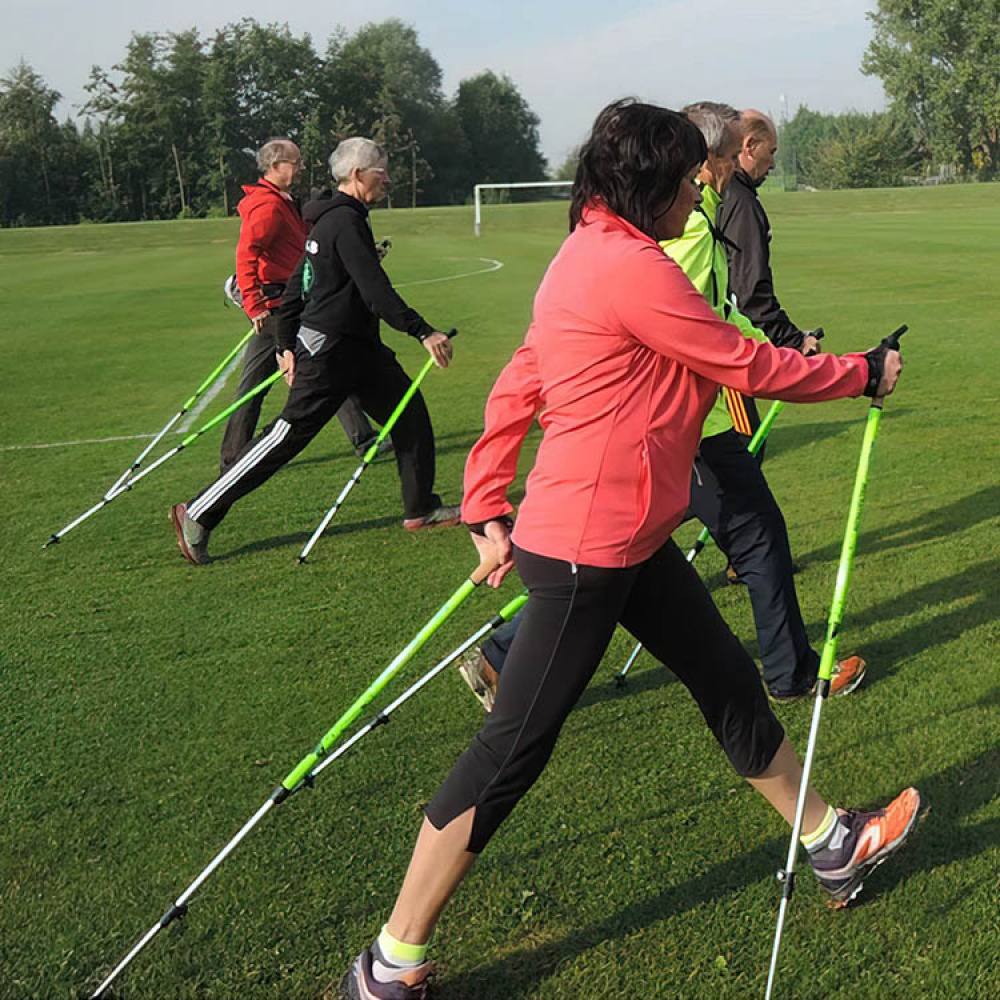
x=623 y=361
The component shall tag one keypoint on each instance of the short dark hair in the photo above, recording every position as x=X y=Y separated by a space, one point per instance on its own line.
x=635 y=160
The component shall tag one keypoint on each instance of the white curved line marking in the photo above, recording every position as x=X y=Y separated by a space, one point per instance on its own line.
x=495 y=265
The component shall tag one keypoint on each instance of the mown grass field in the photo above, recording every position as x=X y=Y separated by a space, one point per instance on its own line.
x=149 y=707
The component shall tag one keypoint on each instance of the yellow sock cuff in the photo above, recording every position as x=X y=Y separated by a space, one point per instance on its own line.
x=809 y=839
x=399 y=952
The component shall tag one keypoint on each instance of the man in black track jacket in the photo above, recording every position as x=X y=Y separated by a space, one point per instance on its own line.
x=742 y=220
x=329 y=345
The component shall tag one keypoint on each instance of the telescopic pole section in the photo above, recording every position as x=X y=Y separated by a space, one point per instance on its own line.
x=283 y=791
x=129 y=484
x=786 y=876
x=188 y=403
x=756 y=443
x=369 y=456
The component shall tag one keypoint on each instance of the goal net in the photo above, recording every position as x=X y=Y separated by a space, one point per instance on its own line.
x=477 y=193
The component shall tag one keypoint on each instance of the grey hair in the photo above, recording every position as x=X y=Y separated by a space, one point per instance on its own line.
x=272 y=151
x=355 y=153
x=716 y=122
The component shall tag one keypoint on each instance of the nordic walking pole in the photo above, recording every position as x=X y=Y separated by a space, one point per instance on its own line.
x=129 y=484
x=303 y=774
x=188 y=403
x=756 y=443
x=369 y=456
x=786 y=876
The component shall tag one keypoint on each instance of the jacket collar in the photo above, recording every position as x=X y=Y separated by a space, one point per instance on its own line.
x=598 y=212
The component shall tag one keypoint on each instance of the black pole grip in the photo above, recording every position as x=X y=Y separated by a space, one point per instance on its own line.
x=892 y=341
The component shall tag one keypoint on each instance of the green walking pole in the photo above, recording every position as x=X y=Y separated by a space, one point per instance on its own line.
x=369 y=456
x=786 y=876
x=188 y=403
x=303 y=774
x=756 y=443
x=130 y=483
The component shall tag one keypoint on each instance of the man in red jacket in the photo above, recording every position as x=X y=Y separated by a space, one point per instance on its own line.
x=272 y=239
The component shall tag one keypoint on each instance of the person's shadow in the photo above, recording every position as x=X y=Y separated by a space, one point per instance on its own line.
x=946 y=836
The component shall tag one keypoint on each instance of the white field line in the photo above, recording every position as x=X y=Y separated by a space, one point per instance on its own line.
x=218 y=385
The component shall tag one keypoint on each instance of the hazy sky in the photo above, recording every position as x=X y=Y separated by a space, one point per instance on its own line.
x=567 y=57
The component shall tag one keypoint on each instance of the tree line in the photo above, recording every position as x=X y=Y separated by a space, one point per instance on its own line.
x=171 y=129
x=939 y=63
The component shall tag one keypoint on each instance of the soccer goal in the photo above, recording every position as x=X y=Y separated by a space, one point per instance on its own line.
x=477 y=192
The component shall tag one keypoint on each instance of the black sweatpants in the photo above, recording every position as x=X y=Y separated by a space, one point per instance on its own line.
x=730 y=496
x=324 y=377
x=568 y=622
x=259 y=361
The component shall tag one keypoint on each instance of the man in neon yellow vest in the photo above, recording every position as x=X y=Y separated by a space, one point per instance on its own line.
x=729 y=493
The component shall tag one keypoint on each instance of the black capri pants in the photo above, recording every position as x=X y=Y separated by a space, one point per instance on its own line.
x=568 y=622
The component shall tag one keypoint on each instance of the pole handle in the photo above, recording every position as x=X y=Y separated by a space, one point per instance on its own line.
x=482 y=571
x=891 y=343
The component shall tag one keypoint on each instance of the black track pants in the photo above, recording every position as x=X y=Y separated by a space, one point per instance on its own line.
x=567 y=625
x=323 y=380
x=735 y=503
x=259 y=361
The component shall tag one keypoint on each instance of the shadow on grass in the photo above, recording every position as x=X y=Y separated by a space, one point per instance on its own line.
x=649 y=677
x=928 y=527
x=786 y=438
x=296 y=540
x=976 y=587
x=945 y=837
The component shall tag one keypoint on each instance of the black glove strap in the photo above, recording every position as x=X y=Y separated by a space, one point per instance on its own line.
x=479 y=527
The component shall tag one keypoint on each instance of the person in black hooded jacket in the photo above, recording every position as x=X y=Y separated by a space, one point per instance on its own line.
x=329 y=348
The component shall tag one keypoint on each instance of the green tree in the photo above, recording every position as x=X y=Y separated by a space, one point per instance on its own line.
x=501 y=128
x=939 y=61
x=152 y=124
x=42 y=163
x=391 y=86
x=865 y=151
x=260 y=83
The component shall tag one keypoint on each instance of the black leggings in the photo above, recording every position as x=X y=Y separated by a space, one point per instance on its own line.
x=568 y=623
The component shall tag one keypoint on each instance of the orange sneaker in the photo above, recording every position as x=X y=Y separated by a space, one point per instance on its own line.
x=847 y=675
x=861 y=843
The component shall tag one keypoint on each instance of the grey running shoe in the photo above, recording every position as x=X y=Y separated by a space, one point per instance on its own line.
x=441 y=517
x=480 y=676
x=359 y=982
x=192 y=538
x=871 y=838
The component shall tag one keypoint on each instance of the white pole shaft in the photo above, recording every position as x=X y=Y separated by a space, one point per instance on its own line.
x=189 y=892
x=405 y=696
x=330 y=514
x=793 y=843
x=152 y=444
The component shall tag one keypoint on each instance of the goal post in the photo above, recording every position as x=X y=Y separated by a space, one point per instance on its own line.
x=477 y=193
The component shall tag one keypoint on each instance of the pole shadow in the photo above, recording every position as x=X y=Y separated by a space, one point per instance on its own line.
x=979 y=584
x=934 y=525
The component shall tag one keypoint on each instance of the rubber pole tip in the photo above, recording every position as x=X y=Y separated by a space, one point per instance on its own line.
x=53 y=540
x=302 y=560
x=620 y=681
